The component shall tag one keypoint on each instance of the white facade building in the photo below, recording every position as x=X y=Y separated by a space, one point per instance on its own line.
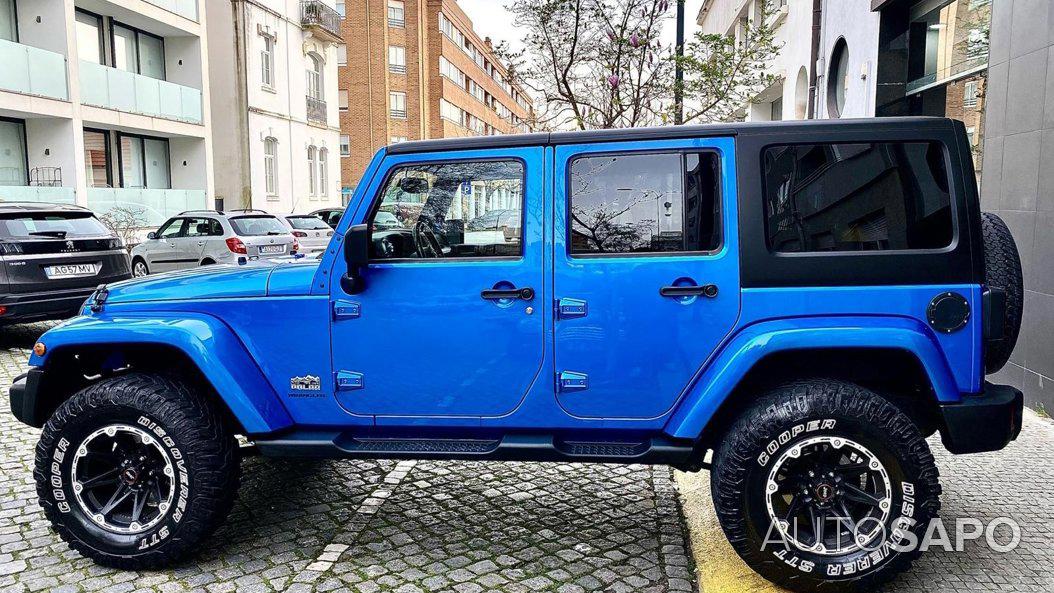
x=104 y=103
x=273 y=71
x=849 y=43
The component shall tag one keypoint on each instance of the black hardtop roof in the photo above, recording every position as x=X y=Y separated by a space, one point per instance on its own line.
x=15 y=207
x=664 y=133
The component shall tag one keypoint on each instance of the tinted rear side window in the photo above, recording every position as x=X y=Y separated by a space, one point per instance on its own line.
x=857 y=197
x=51 y=225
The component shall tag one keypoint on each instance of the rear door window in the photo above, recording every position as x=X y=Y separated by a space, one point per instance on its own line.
x=644 y=203
x=254 y=226
x=881 y=196
x=53 y=225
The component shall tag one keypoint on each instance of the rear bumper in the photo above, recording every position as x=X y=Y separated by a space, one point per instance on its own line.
x=23 y=394
x=987 y=421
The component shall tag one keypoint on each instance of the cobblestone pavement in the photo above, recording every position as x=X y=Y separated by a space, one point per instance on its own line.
x=377 y=526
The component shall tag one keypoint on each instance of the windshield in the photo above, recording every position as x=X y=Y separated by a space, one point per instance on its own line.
x=51 y=225
x=307 y=223
x=255 y=226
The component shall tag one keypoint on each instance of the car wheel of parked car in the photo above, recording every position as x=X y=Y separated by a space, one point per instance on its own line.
x=136 y=470
x=139 y=268
x=822 y=483
x=1002 y=269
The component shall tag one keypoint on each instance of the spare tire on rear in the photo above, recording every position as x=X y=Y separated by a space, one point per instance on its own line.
x=1002 y=268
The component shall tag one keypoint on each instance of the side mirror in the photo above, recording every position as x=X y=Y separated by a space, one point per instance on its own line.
x=357 y=256
x=151 y=235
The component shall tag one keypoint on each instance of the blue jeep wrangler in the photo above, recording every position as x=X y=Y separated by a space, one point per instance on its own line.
x=795 y=307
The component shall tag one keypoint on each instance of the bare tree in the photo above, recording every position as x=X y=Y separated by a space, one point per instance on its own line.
x=724 y=73
x=124 y=222
x=594 y=63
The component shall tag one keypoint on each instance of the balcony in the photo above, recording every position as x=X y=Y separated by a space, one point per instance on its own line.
x=32 y=193
x=316 y=111
x=158 y=205
x=111 y=88
x=321 y=20
x=185 y=8
x=32 y=71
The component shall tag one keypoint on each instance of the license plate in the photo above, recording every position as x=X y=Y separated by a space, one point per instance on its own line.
x=70 y=271
x=272 y=249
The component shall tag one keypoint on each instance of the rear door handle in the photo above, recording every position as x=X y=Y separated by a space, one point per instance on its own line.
x=707 y=290
x=495 y=294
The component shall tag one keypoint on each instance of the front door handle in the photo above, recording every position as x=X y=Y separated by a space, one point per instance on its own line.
x=497 y=294
x=707 y=290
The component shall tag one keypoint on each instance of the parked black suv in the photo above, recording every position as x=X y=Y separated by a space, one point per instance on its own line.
x=52 y=256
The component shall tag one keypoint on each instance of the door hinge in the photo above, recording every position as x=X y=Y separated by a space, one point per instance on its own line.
x=350 y=380
x=567 y=381
x=346 y=310
x=567 y=308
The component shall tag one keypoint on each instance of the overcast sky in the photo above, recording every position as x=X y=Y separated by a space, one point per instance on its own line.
x=492 y=20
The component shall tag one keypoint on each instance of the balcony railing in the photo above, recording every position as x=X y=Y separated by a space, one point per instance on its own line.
x=397 y=113
x=112 y=88
x=184 y=8
x=316 y=110
x=320 y=18
x=21 y=193
x=397 y=68
x=33 y=71
x=158 y=205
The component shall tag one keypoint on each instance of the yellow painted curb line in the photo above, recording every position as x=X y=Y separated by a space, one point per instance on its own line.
x=718 y=567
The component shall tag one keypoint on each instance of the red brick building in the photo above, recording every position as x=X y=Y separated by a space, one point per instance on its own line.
x=416 y=69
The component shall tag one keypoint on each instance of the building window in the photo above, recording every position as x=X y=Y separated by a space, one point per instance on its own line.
x=396 y=13
x=970 y=93
x=398 y=139
x=838 y=79
x=342 y=55
x=345 y=145
x=315 y=80
x=8 y=21
x=451 y=71
x=270 y=161
x=13 y=170
x=97 y=158
x=323 y=172
x=397 y=105
x=89 y=38
x=397 y=59
x=144 y=162
x=343 y=99
x=312 y=167
x=267 y=62
x=341 y=10
x=137 y=51
x=449 y=111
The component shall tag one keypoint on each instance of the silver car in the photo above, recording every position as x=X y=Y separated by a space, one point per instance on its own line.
x=205 y=237
x=310 y=231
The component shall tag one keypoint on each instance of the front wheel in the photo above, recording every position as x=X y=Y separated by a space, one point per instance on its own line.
x=825 y=485
x=136 y=470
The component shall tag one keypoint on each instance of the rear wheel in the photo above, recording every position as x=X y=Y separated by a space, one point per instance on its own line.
x=139 y=268
x=818 y=484
x=136 y=470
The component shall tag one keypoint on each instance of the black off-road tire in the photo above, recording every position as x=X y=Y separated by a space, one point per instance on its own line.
x=1002 y=269
x=798 y=413
x=184 y=423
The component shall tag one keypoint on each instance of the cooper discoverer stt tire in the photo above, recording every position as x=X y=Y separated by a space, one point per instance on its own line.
x=1002 y=269
x=818 y=484
x=134 y=471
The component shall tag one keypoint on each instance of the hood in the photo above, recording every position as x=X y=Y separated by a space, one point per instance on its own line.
x=216 y=282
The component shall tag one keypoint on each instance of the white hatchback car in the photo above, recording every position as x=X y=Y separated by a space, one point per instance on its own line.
x=205 y=237
x=310 y=231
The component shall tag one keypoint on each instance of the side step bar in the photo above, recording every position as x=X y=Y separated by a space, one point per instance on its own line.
x=508 y=448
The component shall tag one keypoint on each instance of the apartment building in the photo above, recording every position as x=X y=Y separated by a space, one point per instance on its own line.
x=417 y=70
x=791 y=20
x=104 y=103
x=273 y=72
